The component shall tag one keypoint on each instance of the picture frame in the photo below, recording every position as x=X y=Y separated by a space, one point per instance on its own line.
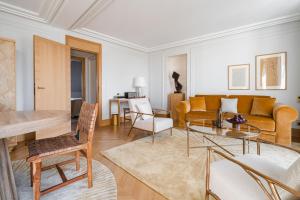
x=239 y=77
x=271 y=71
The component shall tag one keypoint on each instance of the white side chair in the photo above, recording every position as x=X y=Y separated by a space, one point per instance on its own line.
x=249 y=177
x=143 y=117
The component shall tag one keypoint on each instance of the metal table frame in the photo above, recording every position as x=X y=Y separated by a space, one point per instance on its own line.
x=245 y=140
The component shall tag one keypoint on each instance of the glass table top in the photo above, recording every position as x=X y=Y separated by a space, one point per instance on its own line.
x=206 y=126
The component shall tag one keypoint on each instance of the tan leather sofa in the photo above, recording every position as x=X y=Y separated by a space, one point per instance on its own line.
x=274 y=129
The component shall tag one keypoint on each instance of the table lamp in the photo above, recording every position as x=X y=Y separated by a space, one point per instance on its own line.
x=139 y=83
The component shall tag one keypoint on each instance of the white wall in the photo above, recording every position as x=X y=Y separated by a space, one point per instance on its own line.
x=120 y=64
x=209 y=60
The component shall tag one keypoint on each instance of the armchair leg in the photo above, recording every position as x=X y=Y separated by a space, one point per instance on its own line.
x=171 y=129
x=153 y=137
x=130 y=130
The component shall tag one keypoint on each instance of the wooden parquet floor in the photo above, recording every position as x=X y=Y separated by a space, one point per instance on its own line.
x=129 y=188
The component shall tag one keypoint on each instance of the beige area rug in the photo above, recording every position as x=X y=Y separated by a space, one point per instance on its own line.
x=165 y=167
x=104 y=184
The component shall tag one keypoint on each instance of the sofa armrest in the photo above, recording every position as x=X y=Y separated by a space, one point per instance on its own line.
x=284 y=116
x=182 y=108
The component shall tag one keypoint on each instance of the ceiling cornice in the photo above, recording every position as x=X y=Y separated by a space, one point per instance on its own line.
x=51 y=8
x=45 y=15
x=97 y=7
x=101 y=36
x=8 y=8
x=241 y=29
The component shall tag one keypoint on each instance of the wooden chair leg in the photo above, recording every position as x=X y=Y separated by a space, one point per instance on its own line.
x=31 y=174
x=89 y=166
x=36 y=169
x=77 y=160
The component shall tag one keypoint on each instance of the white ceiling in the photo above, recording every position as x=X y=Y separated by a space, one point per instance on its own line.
x=151 y=23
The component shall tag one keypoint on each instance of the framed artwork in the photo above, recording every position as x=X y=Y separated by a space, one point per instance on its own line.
x=239 y=77
x=271 y=71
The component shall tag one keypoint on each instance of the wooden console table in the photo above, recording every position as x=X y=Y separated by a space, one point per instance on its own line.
x=17 y=123
x=118 y=102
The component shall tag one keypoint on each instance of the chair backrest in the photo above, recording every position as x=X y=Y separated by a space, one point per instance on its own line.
x=86 y=122
x=134 y=108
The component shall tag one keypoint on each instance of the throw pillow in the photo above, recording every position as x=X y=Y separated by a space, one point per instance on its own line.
x=197 y=104
x=145 y=107
x=263 y=106
x=229 y=105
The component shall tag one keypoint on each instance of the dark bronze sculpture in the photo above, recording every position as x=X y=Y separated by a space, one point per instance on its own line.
x=178 y=85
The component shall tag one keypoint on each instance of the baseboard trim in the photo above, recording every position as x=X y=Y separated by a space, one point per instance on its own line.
x=104 y=122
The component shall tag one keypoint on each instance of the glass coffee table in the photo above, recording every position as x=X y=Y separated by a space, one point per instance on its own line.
x=206 y=129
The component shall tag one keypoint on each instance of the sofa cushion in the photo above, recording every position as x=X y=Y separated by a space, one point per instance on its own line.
x=261 y=122
x=213 y=102
x=160 y=124
x=263 y=106
x=197 y=104
x=245 y=102
x=195 y=115
x=229 y=105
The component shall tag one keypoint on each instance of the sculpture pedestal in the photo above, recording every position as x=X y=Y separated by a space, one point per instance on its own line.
x=173 y=100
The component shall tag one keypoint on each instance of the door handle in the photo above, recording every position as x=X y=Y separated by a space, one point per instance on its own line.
x=41 y=88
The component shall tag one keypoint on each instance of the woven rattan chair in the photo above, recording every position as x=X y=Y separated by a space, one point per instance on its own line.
x=79 y=144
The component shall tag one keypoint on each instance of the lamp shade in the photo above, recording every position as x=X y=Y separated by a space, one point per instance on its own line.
x=139 y=82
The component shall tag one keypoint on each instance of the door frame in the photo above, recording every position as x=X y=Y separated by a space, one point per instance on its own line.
x=95 y=48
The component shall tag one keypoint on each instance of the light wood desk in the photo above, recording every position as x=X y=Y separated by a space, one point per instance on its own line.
x=118 y=102
x=16 y=123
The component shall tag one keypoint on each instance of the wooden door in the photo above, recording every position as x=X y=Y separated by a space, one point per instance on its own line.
x=52 y=81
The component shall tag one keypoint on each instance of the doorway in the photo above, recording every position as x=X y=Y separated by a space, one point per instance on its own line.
x=83 y=81
x=92 y=89
x=174 y=64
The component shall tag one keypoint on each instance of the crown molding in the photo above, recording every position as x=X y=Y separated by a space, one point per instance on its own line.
x=45 y=15
x=50 y=9
x=97 y=7
x=15 y=10
x=101 y=36
x=241 y=29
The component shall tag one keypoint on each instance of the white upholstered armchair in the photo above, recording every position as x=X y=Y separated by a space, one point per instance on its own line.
x=143 y=117
x=250 y=177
